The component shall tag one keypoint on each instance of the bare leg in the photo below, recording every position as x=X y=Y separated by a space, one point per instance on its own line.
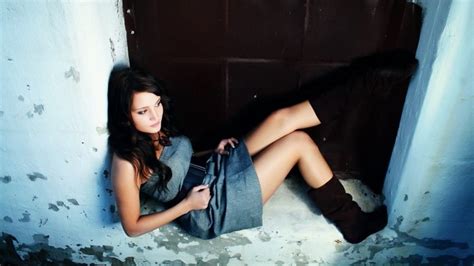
x=280 y=123
x=275 y=162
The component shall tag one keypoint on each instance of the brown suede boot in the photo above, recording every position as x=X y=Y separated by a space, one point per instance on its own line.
x=338 y=207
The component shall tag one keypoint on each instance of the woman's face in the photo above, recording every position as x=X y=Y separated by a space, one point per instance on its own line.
x=147 y=112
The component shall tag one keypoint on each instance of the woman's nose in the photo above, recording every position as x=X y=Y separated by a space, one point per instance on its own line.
x=153 y=115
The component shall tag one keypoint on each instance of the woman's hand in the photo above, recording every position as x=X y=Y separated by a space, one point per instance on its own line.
x=198 y=198
x=221 y=147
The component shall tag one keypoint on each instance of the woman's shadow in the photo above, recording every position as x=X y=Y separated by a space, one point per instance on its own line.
x=107 y=208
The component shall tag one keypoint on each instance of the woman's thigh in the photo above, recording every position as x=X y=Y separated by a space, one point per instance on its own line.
x=275 y=162
x=280 y=123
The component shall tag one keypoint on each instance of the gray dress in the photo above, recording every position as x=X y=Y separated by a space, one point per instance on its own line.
x=236 y=199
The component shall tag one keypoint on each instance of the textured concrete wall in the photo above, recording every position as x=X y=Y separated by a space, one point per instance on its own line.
x=55 y=61
x=56 y=200
x=430 y=178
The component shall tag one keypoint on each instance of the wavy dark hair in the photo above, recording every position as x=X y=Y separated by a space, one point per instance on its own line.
x=124 y=139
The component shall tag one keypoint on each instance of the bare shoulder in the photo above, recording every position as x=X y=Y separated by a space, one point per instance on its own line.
x=122 y=169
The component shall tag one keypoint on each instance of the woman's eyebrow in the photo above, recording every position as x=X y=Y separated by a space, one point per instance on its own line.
x=157 y=101
x=138 y=108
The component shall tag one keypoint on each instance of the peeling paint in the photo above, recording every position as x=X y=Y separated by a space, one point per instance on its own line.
x=264 y=236
x=108 y=190
x=426 y=219
x=405 y=198
x=72 y=72
x=25 y=218
x=450 y=260
x=1 y=113
x=112 y=50
x=20 y=98
x=174 y=262
x=105 y=254
x=43 y=222
x=381 y=243
x=41 y=239
x=174 y=239
x=36 y=175
x=300 y=258
x=61 y=204
x=34 y=198
x=8 y=219
x=106 y=173
x=39 y=109
x=440 y=260
x=223 y=259
x=53 y=207
x=94 y=149
x=101 y=130
x=29 y=114
x=73 y=201
x=6 y=179
x=41 y=253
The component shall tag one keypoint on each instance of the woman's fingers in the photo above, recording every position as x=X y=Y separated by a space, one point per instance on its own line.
x=200 y=187
x=222 y=151
x=199 y=197
x=221 y=147
x=233 y=142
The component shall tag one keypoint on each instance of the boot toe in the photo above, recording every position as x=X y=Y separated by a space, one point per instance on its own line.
x=369 y=224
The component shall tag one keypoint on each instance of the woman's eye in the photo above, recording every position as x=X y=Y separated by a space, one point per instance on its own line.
x=158 y=104
x=141 y=112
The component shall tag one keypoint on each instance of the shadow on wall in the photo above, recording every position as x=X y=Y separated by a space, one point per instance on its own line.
x=107 y=206
x=454 y=186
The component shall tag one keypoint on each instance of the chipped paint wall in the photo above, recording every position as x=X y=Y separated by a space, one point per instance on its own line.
x=430 y=179
x=57 y=204
x=56 y=57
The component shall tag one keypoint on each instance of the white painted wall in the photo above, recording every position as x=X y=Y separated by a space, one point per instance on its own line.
x=55 y=61
x=431 y=174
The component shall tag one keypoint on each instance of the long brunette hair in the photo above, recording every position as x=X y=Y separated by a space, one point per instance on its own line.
x=124 y=139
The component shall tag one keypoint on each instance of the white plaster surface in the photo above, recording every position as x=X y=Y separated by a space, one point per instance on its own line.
x=430 y=174
x=55 y=59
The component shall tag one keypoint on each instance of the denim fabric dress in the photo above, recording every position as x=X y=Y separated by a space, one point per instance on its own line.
x=236 y=199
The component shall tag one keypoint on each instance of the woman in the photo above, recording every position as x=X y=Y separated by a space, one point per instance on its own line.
x=241 y=175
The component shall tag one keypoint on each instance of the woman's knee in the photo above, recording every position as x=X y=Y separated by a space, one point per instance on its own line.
x=282 y=117
x=295 y=117
x=300 y=140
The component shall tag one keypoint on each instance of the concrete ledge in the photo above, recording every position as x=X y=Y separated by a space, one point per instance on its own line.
x=294 y=233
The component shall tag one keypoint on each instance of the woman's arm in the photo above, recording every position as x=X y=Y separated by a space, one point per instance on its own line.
x=127 y=194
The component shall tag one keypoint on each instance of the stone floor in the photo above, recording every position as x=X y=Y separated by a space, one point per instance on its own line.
x=293 y=233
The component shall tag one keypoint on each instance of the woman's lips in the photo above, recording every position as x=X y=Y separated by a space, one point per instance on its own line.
x=157 y=124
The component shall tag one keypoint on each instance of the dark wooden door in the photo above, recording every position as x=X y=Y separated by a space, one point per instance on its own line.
x=228 y=63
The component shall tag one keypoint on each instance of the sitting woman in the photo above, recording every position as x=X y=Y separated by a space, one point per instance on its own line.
x=150 y=157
